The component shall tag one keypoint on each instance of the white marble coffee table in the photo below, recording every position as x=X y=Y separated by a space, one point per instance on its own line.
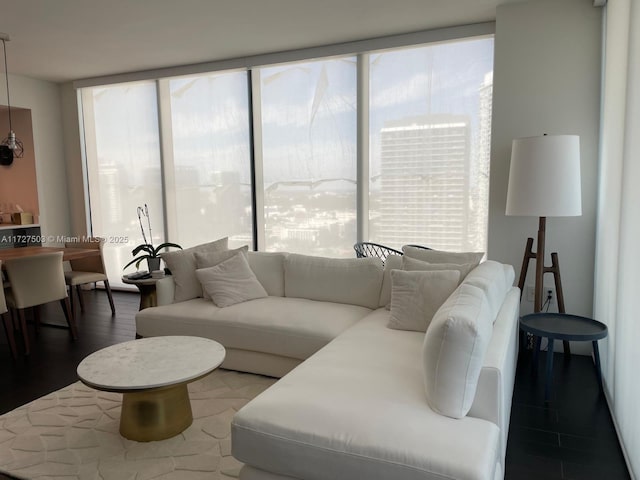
x=152 y=374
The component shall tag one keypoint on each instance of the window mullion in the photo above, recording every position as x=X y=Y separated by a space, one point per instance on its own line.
x=166 y=161
x=362 y=153
x=90 y=150
x=255 y=114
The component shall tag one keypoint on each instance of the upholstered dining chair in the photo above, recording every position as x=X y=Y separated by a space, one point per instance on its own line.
x=6 y=321
x=34 y=281
x=87 y=270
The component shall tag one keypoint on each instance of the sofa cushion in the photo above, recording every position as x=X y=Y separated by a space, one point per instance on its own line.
x=213 y=258
x=182 y=264
x=368 y=421
x=454 y=349
x=439 y=256
x=269 y=269
x=392 y=262
x=290 y=327
x=191 y=317
x=230 y=282
x=354 y=281
x=416 y=296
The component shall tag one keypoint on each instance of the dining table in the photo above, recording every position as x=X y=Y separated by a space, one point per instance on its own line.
x=68 y=253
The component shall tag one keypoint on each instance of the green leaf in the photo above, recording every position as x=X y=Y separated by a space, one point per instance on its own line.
x=144 y=247
x=137 y=261
x=165 y=245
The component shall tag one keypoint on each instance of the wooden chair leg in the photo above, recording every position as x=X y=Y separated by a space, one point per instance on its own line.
x=36 y=318
x=108 y=289
x=8 y=328
x=25 y=333
x=66 y=308
x=14 y=318
x=72 y=301
x=80 y=297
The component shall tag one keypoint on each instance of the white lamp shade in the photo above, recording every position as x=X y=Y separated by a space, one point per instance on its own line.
x=544 y=178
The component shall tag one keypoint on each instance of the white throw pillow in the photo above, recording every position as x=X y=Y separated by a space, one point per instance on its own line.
x=417 y=296
x=211 y=259
x=439 y=256
x=454 y=349
x=392 y=262
x=231 y=282
x=495 y=279
x=182 y=264
x=412 y=264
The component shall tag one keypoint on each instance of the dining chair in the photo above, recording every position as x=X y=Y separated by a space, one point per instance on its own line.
x=419 y=246
x=87 y=270
x=36 y=280
x=369 y=249
x=6 y=321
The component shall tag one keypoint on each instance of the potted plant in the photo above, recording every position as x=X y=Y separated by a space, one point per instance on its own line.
x=149 y=252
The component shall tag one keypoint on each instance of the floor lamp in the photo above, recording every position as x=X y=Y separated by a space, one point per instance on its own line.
x=544 y=181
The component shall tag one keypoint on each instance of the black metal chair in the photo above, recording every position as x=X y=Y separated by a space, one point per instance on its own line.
x=368 y=249
x=419 y=246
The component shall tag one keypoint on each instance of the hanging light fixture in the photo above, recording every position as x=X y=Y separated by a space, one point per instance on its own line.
x=10 y=147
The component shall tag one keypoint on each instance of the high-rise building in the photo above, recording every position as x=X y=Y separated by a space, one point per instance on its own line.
x=424 y=193
x=480 y=168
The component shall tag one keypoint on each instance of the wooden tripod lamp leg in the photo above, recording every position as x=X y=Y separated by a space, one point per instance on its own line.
x=555 y=269
x=537 y=304
x=528 y=255
x=526 y=339
x=540 y=271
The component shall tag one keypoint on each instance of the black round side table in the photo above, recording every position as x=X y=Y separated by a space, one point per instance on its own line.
x=562 y=326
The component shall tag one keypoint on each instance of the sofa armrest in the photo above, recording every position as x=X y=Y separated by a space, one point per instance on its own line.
x=497 y=377
x=165 y=288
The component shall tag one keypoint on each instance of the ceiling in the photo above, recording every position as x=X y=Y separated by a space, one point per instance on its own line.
x=61 y=40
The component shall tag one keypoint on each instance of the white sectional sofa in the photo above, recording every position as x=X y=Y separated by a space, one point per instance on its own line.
x=359 y=400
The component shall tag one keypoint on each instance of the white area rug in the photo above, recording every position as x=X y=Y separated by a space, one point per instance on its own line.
x=73 y=434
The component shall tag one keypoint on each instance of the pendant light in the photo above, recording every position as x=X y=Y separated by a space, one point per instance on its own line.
x=10 y=147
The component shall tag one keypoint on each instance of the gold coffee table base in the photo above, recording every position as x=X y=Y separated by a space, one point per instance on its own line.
x=155 y=414
x=152 y=374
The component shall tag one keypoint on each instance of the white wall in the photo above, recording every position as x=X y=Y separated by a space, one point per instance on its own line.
x=547 y=80
x=43 y=98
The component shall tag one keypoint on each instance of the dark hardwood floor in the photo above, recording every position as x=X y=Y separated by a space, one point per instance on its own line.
x=571 y=437
x=54 y=355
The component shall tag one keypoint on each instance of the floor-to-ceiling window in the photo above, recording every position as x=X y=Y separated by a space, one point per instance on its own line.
x=309 y=156
x=269 y=155
x=430 y=131
x=122 y=145
x=208 y=159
